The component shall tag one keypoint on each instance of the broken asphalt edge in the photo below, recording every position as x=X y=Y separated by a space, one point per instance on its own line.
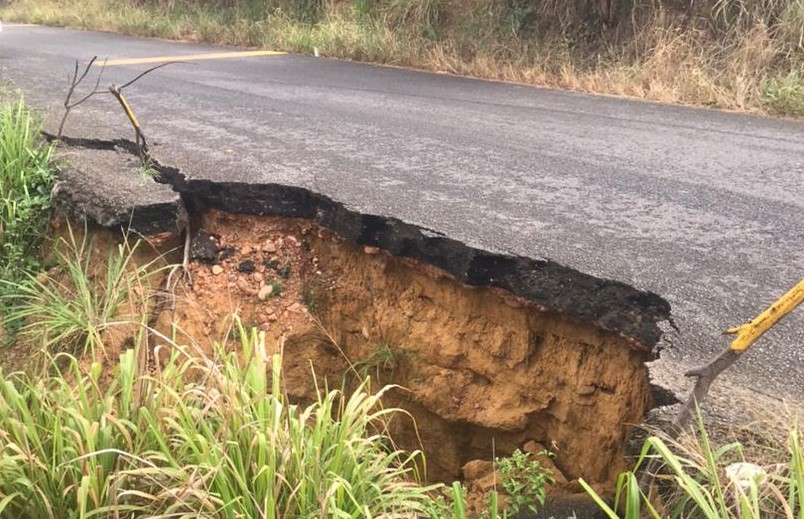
x=92 y=186
x=613 y=306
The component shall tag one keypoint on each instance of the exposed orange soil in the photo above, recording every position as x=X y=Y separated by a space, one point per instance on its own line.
x=482 y=372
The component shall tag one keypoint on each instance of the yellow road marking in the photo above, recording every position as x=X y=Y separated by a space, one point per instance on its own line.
x=189 y=57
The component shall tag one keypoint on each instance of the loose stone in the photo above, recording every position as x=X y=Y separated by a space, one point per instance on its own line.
x=265 y=292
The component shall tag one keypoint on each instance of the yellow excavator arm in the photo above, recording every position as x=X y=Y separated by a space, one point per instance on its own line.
x=751 y=331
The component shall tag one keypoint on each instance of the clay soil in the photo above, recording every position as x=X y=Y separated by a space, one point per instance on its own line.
x=480 y=372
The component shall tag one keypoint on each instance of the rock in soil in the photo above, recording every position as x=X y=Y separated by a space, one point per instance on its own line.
x=204 y=246
x=246 y=267
x=265 y=293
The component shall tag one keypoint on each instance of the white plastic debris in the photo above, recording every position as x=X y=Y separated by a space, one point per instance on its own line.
x=743 y=474
x=315 y=51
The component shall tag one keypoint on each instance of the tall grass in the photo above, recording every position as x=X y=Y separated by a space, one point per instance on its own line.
x=735 y=54
x=694 y=481
x=73 y=305
x=202 y=437
x=26 y=177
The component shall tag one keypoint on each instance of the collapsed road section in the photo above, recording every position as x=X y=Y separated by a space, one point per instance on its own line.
x=490 y=352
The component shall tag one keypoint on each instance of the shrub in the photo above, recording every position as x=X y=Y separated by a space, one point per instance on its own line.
x=524 y=481
x=785 y=94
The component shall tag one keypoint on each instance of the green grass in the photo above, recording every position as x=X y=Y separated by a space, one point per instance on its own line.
x=72 y=305
x=695 y=482
x=26 y=177
x=785 y=93
x=203 y=437
x=382 y=359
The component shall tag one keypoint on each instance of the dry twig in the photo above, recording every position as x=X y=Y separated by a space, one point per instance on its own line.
x=76 y=80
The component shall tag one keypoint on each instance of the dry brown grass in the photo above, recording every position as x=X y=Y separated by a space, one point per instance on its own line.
x=743 y=55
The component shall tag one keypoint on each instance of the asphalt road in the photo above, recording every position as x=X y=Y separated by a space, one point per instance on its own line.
x=703 y=207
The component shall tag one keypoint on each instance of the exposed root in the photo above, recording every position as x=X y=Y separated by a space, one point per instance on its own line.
x=172 y=279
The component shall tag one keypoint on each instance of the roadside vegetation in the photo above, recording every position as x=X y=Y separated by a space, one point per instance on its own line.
x=26 y=177
x=732 y=54
x=137 y=445
x=698 y=478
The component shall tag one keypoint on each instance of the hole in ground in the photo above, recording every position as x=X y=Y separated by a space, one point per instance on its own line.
x=482 y=372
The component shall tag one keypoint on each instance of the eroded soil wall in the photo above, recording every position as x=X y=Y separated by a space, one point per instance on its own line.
x=481 y=371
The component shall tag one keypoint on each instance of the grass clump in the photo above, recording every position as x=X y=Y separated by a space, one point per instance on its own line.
x=277 y=289
x=26 y=178
x=72 y=306
x=785 y=94
x=699 y=479
x=310 y=298
x=382 y=359
x=202 y=438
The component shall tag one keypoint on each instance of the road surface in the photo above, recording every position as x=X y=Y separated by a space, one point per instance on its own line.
x=702 y=207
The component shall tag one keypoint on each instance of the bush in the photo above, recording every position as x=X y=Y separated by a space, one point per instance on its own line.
x=524 y=481
x=785 y=94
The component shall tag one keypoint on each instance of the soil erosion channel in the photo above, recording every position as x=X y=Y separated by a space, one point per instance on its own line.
x=491 y=352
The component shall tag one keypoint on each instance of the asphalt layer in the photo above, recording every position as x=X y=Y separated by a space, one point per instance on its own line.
x=699 y=206
x=107 y=183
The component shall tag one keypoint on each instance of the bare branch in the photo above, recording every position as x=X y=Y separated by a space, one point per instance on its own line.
x=151 y=70
x=86 y=70
x=76 y=80
x=116 y=91
x=94 y=90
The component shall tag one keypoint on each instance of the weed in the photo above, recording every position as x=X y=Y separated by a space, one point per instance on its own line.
x=455 y=504
x=524 y=481
x=438 y=507
x=785 y=94
x=284 y=271
x=382 y=359
x=309 y=298
x=702 y=487
x=363 y=8
x=420 y=14
x=277 y=289
x=147 y=170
